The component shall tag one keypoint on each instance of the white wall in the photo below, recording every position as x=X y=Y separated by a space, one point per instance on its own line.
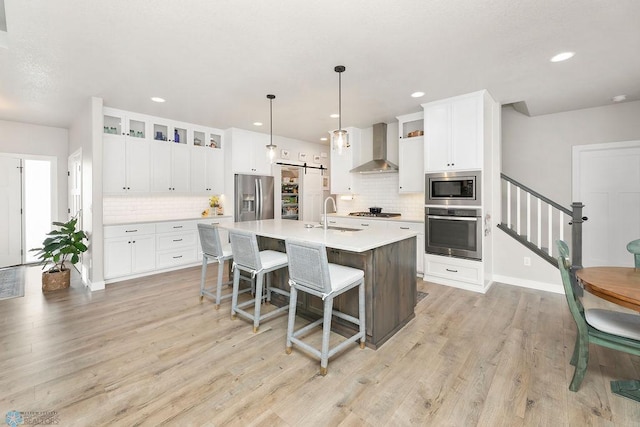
x=35 y=140
x=536 y=151
x=86 y=133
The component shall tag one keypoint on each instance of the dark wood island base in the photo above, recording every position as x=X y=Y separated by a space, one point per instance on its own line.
x=390 y=288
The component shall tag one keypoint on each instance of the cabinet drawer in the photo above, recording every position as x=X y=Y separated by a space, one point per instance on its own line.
x=174 y=226
x=361 y=223
x=412 y=226
x=177 y=257
x=455 y=271
x=128 y=230
x=169 y=241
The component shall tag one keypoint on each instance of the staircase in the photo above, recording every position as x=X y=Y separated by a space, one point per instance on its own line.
x=537 y=222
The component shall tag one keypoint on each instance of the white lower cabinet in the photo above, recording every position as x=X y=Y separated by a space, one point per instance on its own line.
x=135 y=249
x=457 y=272
x=176 y=243
x=129 y=249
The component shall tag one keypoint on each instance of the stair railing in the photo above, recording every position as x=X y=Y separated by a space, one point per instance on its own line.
x=537 y=221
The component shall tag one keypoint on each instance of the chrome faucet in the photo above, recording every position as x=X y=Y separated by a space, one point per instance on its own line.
x=325 y=224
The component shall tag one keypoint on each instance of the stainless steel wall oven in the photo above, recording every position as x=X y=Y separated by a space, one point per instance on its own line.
x=455 y=232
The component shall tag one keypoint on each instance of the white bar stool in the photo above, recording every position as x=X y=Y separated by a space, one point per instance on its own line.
x=247 y=257
x=212 y=248
x=311 y=272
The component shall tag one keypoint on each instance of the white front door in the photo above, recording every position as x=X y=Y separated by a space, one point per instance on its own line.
x=606 y=179
x=10 y=211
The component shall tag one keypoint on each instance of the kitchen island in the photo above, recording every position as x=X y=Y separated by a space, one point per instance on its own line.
x=387 y=258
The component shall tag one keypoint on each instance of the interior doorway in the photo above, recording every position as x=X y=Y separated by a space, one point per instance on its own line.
x=606 y=179
x=37 y=205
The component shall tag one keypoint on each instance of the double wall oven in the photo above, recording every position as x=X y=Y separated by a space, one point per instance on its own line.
x=453 y=213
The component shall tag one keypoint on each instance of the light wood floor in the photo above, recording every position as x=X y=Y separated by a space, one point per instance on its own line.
x=148 y=352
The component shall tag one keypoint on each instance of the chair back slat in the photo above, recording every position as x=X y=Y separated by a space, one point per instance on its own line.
x=244 y=246
x=570 y=284
x=210 y=240
x=634 y=248
x=308 y=265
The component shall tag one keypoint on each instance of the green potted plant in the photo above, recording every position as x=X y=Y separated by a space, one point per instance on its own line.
x=64 y=244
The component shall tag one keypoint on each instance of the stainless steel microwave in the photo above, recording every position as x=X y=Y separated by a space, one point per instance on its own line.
x=453 y=188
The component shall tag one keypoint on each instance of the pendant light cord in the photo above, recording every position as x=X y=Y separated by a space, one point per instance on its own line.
x=271 y=98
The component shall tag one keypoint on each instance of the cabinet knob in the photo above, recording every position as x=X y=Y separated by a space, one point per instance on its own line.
x=128 y=188
x=124 y=188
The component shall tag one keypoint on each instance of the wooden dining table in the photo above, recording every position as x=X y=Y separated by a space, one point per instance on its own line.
x=621 y=286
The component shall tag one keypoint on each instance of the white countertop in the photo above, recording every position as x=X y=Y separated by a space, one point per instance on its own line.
x=353 y=241
x=402 y=218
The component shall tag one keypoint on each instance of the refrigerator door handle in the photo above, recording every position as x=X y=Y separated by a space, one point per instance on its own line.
x=260 y=186
x=257 y=199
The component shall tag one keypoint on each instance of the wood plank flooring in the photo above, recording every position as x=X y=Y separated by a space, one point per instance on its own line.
x=148 y=352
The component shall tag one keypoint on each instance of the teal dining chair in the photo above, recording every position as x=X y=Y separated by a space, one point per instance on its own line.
x=634 y=248
x=612 y=329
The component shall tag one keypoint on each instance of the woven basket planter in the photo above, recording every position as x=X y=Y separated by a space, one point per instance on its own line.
x=55 y=281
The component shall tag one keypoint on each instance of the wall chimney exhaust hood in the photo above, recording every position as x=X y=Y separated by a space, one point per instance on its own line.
x=379 y=164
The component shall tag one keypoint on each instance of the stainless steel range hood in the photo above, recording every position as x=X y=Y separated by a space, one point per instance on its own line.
x=379 y=164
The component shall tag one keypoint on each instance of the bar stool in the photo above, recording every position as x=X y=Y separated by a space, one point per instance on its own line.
x=310 y=272
x=247 y=257
x=212 y=248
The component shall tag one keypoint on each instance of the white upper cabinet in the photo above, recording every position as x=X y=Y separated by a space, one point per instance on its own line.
x=170 y=167
x=145 y=154
x=125 y=153
x=170 y=157
x=207 y=161
x=249 y=153
x=411 y=153
x=454 y=133
x=343 y=181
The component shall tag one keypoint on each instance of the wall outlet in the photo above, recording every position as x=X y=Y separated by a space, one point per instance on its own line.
x=527 y=261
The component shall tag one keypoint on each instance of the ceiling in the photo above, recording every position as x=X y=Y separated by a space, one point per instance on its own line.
x=215 y=61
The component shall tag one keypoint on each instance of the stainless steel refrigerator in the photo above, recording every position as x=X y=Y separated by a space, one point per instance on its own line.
x=253 y=197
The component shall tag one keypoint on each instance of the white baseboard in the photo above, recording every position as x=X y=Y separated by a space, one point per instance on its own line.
x=95 y=286
x=531 y=284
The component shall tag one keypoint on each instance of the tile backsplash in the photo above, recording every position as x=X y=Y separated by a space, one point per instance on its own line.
x=120 y=209
x=381 y=190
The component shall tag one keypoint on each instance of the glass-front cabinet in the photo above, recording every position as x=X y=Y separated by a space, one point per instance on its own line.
x=411 y=153
x=146 y=154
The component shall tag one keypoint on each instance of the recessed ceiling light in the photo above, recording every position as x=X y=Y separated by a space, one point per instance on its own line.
x=257 y=123
x=334 y=116
x=619 y=98
x=157 y=99
x=324 y=138
x=562 y=56
x=417 y=94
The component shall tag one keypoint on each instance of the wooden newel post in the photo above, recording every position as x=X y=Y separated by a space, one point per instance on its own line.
x=576 y=234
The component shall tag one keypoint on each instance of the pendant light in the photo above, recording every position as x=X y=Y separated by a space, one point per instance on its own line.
x=271 y=148
x=340 y=138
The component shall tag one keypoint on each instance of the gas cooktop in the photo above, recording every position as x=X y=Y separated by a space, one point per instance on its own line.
x=377 y=215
